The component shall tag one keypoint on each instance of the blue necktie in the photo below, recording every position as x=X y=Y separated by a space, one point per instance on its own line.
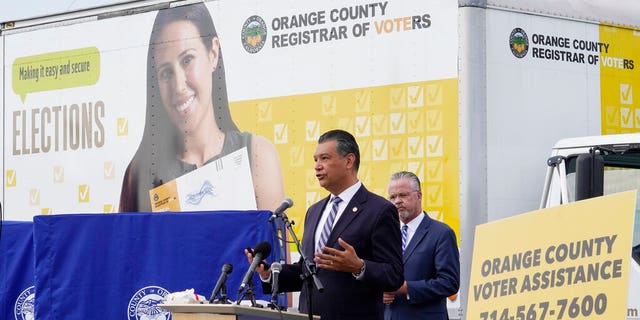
x=404 y=236
x=328 y=225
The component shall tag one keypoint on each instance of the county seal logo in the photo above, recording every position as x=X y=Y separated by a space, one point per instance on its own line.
x=24 y=307
x=143 y=304
x=254 y=34
x=518 y=43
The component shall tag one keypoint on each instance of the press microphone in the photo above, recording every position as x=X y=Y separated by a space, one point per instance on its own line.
x=262 y=250
x=276 y=267
x=286 y=204
x=227 y=268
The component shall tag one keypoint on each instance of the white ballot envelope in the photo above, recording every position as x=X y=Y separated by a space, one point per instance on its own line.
x=223 y=184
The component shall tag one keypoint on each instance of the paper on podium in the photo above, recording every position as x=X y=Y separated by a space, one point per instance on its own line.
x=184 y=297
x=223 y=184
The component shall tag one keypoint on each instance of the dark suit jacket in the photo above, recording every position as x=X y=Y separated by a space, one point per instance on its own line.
x=370 y=224
x=432 y=272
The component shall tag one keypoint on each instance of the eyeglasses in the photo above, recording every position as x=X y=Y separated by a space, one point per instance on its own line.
x=401 y=196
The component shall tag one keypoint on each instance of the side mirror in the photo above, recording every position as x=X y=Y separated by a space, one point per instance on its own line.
x=589 y=176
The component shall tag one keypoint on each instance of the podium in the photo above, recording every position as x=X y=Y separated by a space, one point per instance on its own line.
x=228 y=312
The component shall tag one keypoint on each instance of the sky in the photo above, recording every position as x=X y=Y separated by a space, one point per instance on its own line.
x=11 y=10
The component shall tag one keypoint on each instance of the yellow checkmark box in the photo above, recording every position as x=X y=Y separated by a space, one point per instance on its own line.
x=626 y=93
x=311 y=198
x=379 y=150
x=363 y=127
x=265 y=112
x=296 y=156
x=398 y=148
x=109 y=170
x=415 y=121
x=436 y=215
x=397 y=123
x=398 y=98
x=58 y=174
x=108 y=208
x=329 y=105
x=626 y=117
x=416 y=97
x=434 y=120
x=435 y=170
x=379 y=122
x=123 y=127
x=84 y=193
x=34 y=197
x=363 y=101
x=434 y=146
x=346 y=123
x=434 y=94
x=434 y=195
x=396 y=166
x=311 y=181
x=280 y=133
x=365 y=149
x=365 y=174
x=612 y=116
x=415 y=147
x=312 y=131
x=11 y=178
x=417 y=167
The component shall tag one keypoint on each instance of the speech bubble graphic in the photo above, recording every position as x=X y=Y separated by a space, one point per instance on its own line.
x=56 y=70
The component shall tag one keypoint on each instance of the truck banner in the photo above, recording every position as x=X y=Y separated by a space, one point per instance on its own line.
x=546 y=79
x=99 y=113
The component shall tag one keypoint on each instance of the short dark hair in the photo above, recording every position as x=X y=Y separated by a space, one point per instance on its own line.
x=415 y=181
x=345 y=144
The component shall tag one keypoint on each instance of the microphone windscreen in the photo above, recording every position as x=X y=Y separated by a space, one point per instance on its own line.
x=264 y=248
x=227 y=268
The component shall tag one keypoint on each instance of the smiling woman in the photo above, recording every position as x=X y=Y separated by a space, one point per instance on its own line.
x=188 y=123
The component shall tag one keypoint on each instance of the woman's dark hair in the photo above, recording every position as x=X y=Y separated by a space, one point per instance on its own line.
x=162 y=140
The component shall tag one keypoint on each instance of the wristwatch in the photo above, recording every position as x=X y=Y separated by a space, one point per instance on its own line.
x=361 y=269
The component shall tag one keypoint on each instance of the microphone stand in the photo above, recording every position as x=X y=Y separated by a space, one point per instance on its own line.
x=249 y=293
x=308 y=269
x=223 y=296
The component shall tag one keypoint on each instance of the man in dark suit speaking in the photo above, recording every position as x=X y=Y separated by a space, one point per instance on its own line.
x=431 y=257
x=353 y=235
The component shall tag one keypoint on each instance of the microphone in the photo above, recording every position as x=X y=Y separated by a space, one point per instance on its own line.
x=262 y=250
x=276 y=267
x=286 y=204
x=227 y=268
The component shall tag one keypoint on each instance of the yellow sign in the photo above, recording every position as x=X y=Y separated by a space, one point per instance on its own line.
x=565 y=262
x=619 y=78
x=56 y=70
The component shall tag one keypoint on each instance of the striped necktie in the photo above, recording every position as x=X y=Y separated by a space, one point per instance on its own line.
x=328 y=225
x=404 y=236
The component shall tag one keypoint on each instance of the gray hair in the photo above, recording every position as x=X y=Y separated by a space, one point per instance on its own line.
x=415 y=181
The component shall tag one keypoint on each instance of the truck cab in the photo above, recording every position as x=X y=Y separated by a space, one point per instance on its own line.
x=586 y=167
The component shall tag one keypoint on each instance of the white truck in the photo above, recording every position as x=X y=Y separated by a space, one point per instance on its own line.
x=528 y=80
x=585 y=167
x=468 y=94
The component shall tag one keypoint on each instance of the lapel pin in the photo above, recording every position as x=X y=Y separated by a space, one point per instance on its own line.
x=354 y=209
